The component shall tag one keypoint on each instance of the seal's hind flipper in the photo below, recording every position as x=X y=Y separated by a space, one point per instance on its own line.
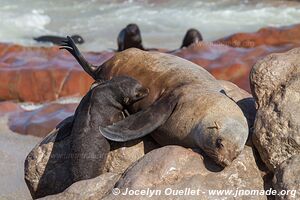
x=141 y=123
x=71 y=47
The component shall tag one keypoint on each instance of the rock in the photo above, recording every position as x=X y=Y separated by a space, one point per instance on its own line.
x=166 y=165
x=41 y=74
x=47 y=165
x=9 y=107
x=58 y=74
x=229 y=63
x=91 y=189
x=275 y=83
x=176 y=168
x=266 y=36
x=244 y=100
x=41 y=121
x=287 y=178
x=122 y=155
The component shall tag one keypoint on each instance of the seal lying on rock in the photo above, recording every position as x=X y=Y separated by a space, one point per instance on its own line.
x=57 y=39
x=203 y=118
x=101 y=106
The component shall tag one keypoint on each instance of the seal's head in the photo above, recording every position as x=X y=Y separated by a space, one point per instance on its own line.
x=221 y=138
x=130 y=90
x=130 y=37
x=191 y=36
x=77 y=39
x=133 y=32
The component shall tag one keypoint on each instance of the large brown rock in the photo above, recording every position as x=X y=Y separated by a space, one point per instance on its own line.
x=47 y=165
x=287 y=179
x=176 y=168
x=39 y=122
x=122 y=155
x=275 y=83
x=40 y=74
x=266 y=36
x=95 y=188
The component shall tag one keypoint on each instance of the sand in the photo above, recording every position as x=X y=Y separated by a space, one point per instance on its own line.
x=13 y=151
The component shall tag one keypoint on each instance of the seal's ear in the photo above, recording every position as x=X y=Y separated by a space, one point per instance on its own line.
x=143 y=122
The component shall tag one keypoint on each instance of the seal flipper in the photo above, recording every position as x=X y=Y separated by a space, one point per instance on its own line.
x=141 y=123
x=71 y=47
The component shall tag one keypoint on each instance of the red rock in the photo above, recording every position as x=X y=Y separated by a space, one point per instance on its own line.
x=266 y=36
x=9 y=107
x=229 y=63
x=41 y=121
x=41 y=74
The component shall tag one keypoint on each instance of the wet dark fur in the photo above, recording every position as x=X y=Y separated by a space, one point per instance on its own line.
x=101 y=106
x=58 y=40
x=191 y=36
x=130 y=37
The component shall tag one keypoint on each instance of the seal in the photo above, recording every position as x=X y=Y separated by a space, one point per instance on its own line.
x=129 y=37
x=57 y=39
x=203 y=118
x=101 y=106
x=191 y=36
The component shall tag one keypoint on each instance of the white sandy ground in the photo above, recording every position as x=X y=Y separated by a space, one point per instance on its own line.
x=13 y=151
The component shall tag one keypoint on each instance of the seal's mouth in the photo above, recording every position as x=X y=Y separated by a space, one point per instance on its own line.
x=217 y=156
x=223 y=163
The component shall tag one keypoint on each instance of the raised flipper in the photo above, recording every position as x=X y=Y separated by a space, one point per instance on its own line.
x=70 y=46
x=143 y=122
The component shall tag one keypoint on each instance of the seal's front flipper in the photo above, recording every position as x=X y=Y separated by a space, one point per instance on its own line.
x=71 y=47
x=141 y=123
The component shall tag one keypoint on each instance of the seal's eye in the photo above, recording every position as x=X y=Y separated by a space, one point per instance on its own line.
x=219 y=143
x=141 y=92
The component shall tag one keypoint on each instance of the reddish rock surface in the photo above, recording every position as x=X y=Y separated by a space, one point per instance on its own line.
x=266 y=36
x=229 y=63
x=43 y=74
x=40 y=74
x=41 y=121
x=9 y=107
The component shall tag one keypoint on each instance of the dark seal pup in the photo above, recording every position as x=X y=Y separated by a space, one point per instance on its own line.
x=191 y=36
x=129 y=37
x=101 y=106
x=58 y=40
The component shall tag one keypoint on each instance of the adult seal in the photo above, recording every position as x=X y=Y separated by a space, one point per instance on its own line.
x=192 y=36
x=204 y=117
x=58 y=40
x=101 y=106
x=129 y=37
